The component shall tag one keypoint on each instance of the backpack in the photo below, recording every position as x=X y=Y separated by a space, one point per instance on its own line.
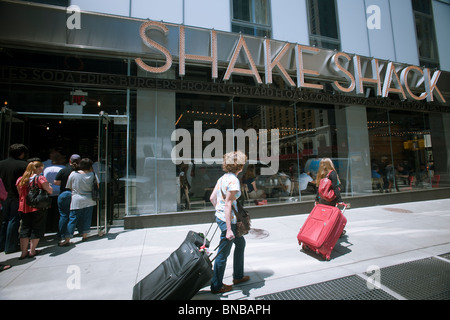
x=326 y=191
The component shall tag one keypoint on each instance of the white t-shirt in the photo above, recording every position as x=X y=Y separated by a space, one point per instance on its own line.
x=304 y=179
x=50 y=173
x=228 y=182
x=81 y=185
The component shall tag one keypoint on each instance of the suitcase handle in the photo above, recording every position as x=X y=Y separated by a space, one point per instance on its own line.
x=344 y=206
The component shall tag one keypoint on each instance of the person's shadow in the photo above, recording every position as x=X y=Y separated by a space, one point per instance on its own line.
x=257 y=280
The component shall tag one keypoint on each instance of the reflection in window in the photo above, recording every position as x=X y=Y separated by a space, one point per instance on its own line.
x=251 y=17
x=426 y=36
x=401 y=151
x=323 y=26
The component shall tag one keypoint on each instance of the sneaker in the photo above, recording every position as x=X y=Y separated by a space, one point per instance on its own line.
x=225 y=288
x=244 y=279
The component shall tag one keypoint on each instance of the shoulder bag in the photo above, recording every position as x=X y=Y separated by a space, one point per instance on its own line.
x=95 y=190
x=38 y=198
x=326 y=191
x=243 y=223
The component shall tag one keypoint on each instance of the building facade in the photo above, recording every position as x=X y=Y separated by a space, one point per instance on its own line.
x=157 y=92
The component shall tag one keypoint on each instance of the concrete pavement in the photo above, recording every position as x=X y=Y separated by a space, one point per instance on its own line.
x=108 y=267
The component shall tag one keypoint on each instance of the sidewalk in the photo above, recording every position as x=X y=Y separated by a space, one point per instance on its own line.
x=108 y=267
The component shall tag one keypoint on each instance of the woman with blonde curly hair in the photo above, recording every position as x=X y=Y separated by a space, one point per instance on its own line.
x=32 y=227
x=225 y=193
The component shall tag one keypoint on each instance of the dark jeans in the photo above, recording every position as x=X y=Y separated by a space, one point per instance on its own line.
x=9 y=232
x=223 y=252
x=64 y=212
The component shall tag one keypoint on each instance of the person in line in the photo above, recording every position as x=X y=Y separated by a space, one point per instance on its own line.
x=10 y=170
x=32 y=228
x=65 y=195
x=229 y=186
x=81 y=183
x=3 y=196
x=58 y=162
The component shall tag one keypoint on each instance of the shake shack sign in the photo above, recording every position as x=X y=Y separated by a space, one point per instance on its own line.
x=300 y=66
x=302 y=71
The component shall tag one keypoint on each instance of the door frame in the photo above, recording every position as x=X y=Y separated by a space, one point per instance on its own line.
x=8 y=116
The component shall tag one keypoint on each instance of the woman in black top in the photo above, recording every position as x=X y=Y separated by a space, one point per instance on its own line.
x=326 y=166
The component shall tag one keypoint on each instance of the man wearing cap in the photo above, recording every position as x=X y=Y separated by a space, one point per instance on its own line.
x=65 y=194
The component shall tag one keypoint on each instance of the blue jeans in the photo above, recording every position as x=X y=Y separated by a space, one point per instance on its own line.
x=64 y=212
x=223 y=252
x=80 y=218
x=9 y=232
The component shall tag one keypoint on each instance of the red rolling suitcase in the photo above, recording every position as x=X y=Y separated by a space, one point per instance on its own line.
x=322 y=229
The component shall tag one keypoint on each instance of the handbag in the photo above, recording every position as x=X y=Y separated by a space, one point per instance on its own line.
x=326 y=191
x=95 y=190
x=243 y=221
x=38 y=198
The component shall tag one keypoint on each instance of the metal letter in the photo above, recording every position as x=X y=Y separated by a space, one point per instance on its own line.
x=270 y=64
x=152 y=44
x=335 y=65
x=404 y=81
x=431 y=85
x=301 y=71
x=390 y=72
x=360 y=79
x=246 y=72
x=184 y=56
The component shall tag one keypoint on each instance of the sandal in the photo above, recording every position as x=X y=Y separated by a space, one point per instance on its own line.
x=64 y=244
x=36 y=252
x=25 y=256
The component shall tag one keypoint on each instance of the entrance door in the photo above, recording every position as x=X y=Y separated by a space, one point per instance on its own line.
x=98 y=137
x=103 y=171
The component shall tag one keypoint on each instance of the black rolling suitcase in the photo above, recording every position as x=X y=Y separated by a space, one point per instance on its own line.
x=179 y=277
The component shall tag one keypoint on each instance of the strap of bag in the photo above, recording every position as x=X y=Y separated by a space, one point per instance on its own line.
x=33 y=183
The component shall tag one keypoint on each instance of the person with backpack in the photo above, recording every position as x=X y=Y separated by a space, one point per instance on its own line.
x=32 y=227
x=327 y=182
x=327 y=171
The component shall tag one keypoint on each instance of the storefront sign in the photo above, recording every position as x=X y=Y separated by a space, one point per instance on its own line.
x=396 y=79
x=21 y=75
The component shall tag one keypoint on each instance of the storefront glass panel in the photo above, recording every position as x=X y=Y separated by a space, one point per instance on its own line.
x=402 y=150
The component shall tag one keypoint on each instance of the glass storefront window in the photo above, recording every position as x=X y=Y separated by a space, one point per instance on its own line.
x=364 y=143
x=401 y=150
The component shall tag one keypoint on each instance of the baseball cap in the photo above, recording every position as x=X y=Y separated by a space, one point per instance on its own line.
x=75 y=158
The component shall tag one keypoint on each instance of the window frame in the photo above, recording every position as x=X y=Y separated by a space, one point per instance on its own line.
x=321 y=38
x=433 y=62
x=265 y=28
